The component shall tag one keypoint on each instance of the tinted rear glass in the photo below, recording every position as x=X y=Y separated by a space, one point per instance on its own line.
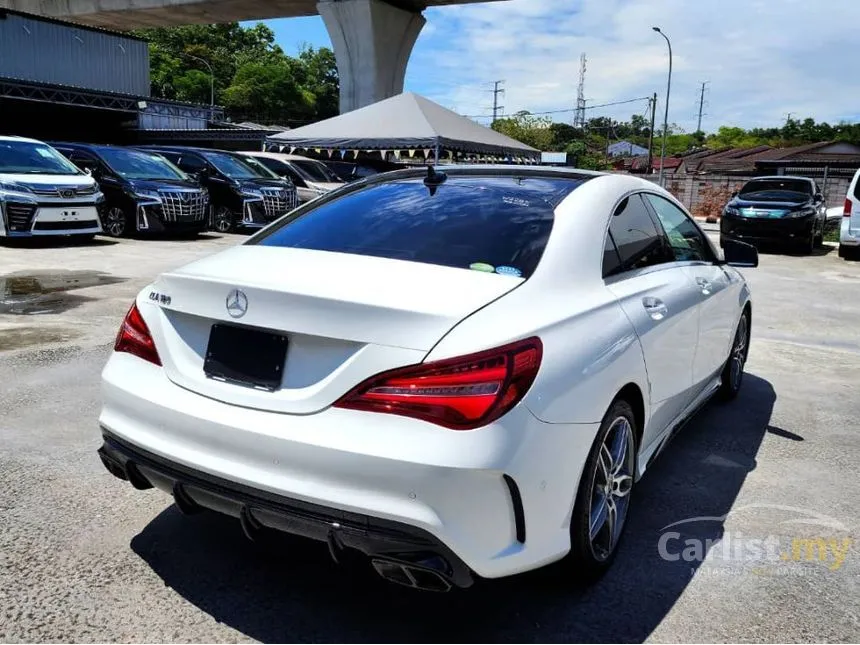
x=491 y=222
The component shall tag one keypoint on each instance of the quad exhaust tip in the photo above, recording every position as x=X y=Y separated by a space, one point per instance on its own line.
x=411 y=575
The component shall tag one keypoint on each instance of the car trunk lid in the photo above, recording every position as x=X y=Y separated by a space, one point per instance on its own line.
x=345 y=318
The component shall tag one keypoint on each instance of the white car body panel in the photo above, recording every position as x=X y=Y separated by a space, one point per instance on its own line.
x=849 y=230
x=349 y=317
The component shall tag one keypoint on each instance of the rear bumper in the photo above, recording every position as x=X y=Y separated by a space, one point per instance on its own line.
x=849 y=236
x=383 y=541
x=765 y=229
x=498 y=498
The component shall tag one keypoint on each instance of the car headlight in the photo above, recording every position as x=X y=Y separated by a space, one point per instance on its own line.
x=246 y=192
x=731 y=210
x=800 y=213
x=145 y=193
x=13 y=188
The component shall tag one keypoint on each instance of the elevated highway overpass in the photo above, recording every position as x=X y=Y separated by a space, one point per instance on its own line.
x=372 y=39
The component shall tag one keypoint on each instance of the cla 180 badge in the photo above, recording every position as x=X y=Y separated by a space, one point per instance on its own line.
x=237 y=303
x=159 y=298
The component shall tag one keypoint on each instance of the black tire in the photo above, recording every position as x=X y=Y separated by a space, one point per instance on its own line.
x=818 y=240
x=732 y=375
x=591 y=554
x=849 y=252
x=806 y=245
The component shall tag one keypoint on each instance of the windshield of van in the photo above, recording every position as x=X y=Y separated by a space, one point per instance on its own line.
x=259 y=166
x=233 y=167
x=314 y=171
x=775 y=190
x=28 y=158
x=134 y=164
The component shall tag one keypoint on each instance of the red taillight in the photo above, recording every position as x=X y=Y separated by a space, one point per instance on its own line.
x=459 y=393
x=847 y=211
x=134 y=337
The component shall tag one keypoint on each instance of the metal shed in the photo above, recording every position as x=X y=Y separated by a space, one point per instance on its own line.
x=52 y=51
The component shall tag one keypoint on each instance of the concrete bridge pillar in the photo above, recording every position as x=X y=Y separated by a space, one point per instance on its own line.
x=372 y=42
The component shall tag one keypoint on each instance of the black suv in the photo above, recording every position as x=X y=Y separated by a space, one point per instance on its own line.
x=776 y=209
x=144 y=193
x=242 y=194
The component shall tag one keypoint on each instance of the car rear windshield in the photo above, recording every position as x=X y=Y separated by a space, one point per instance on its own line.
x=499 y=224
x=776 y=189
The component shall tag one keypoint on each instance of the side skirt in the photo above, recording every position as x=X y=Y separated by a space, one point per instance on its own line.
x=675 y=427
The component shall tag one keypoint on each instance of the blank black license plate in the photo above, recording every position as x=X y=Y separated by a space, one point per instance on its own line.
x=251 y=357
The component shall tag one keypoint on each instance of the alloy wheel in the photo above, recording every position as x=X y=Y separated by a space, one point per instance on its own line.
x=739 y=354
x=610 y=490
x=223 y=220
x=114 y=222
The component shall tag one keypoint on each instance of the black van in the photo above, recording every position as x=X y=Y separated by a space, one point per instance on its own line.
x=144 y=193
x=242 y=195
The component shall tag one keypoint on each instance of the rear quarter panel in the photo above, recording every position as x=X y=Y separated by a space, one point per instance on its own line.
x=590 y=350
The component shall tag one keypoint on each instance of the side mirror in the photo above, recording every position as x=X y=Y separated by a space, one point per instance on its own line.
x=818 y=198
x=740 y=254
x=734 y=193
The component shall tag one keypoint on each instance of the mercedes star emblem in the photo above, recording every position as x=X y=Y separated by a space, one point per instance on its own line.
x=237 y=303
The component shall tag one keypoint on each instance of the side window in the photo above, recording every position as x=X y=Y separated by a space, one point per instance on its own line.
x=611 y=259
x=292 y=174
x=686 y=239
x=190 y=163
x=636 y=237
x=84 y=161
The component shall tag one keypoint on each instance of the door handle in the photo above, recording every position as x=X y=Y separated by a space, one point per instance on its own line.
x=655 y=307
x=704 y=285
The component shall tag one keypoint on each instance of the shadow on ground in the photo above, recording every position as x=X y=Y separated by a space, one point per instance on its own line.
x=55 y=241
x=291 y=591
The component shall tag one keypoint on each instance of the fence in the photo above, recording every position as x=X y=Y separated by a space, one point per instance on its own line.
x=696 y=191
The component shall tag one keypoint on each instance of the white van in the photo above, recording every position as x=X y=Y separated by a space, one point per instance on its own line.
x=43 y=193
x=312 y=178
x=849 y=234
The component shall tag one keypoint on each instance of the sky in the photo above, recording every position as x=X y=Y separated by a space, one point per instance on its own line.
x=762 y=59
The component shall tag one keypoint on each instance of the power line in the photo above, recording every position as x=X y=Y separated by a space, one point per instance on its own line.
x=588 y=107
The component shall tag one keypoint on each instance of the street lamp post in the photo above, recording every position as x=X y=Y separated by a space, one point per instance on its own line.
x=211 y=83
x=666 y=114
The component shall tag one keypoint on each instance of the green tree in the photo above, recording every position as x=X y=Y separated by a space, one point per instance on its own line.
x=268 y=91
x=527 y=128
x=253 y=77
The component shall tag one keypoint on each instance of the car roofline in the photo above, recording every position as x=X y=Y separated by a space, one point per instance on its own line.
x=482 y=170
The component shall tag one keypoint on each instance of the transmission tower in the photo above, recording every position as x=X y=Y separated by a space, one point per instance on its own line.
x=579 y=115
x=497 y=90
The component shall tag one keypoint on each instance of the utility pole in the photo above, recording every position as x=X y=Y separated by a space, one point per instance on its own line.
x=653 y=102
x=497 y=89
x=579 y=115
x=701 y=106
x=666 y=113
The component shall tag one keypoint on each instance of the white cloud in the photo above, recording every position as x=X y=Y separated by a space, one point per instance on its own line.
x=763 y=58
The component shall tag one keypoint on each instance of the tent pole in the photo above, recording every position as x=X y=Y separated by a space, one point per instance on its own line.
x=436 y=154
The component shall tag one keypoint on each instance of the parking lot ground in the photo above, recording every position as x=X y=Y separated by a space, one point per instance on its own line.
x=766 y=486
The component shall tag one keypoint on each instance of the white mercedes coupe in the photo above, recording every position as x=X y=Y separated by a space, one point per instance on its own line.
x=459 y=374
